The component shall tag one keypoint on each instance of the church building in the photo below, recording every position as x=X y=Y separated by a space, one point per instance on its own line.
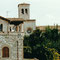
x=12 y=31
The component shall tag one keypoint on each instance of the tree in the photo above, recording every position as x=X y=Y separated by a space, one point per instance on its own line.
x=37 y=48
x=51 y=34
x=52 y=38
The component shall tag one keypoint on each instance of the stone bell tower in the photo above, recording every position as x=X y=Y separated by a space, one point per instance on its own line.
x=24 y=11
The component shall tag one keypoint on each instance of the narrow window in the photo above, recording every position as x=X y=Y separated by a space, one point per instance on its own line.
x=22 y=11
x=26 y=11
x=10 y=29
x=1 y=27
x=5 y=52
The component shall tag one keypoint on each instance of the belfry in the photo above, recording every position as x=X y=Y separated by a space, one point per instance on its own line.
x=12 y=31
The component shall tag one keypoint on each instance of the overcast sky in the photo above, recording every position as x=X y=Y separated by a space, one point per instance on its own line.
x=46 y=12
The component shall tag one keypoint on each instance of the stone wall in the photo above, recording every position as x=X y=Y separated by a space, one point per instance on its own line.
x=29 y=24
x=5 y=25
x=10 y=41
x=20 y=14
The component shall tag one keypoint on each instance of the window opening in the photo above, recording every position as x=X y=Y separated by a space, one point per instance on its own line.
x=1 y=27
x=26 y=11
x=5 y=52
x=22 y=11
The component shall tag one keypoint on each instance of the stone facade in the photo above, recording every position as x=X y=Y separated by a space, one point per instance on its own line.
x=5 y=25
x=24 y=11
x=29 y=24
x=12 y=32
x=10 y=40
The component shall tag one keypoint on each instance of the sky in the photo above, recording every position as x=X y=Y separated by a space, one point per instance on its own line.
x=45 y=12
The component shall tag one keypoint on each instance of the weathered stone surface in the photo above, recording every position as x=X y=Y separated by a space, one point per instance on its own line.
x=10 y=41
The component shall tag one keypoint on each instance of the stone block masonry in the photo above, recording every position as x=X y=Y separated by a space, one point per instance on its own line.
x=15 y=45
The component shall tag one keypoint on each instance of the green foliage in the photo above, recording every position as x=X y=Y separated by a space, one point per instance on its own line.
x=41 y=45
x=51 y=34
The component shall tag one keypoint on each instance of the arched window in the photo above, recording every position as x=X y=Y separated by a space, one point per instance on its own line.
x=22 y=11
x=26 y=11
x=5 y=52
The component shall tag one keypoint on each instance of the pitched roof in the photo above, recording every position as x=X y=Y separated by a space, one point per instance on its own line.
x=20 y=19
x=3 y=18
x=16 y=19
